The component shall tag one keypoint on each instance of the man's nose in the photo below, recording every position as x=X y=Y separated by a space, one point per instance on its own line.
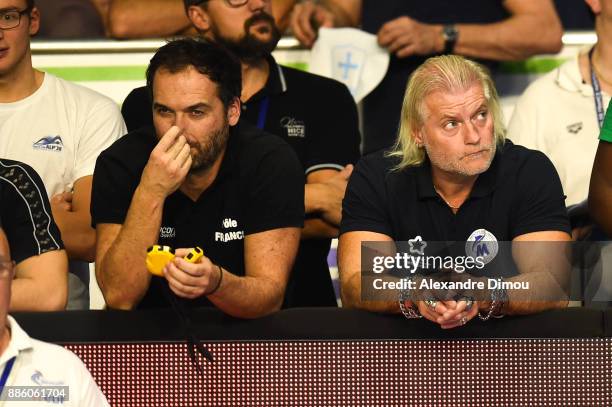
x=257 y=5
x=180 y=121
x=471 y=133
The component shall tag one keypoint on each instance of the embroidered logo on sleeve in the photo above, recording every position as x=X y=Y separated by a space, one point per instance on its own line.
x=51 y=143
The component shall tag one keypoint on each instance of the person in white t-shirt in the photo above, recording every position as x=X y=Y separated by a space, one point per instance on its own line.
x=59 y=129
x=45 y=368
x=558 y=114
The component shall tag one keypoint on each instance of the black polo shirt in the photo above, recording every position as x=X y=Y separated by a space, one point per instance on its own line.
x=317 y=116
x=259 y=187
x=520 y=193
x=25 y=213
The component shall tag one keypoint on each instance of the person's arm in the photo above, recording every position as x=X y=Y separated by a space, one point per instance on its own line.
x=332 y=148
x=542 y=261
x=121 y=252
x=268 y=258
x=72 y=215
x=103 y=7
x=532 y=28
x=34 y=242
x=323 y=195
x=98 y=129
x=350 y=268
x=147 y=18
x=121 y=249
x=308 y=16
x=41 y=283
x=600 y=189
x=518 y=37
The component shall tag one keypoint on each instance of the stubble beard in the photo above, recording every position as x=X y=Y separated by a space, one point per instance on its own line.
x=249 y=48
x=454 y=165
x=206 y=155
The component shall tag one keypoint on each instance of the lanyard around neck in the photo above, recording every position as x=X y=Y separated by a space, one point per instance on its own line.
x=599 y=108
x=263 y=112
x=6 y=373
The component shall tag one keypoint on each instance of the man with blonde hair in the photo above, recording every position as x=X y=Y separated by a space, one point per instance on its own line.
x=453 y=177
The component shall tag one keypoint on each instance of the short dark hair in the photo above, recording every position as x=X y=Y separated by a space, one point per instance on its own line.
x=209 y=59
x=30 y=4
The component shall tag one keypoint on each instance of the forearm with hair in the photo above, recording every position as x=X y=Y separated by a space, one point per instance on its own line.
x=342 y=16
x=124 y=276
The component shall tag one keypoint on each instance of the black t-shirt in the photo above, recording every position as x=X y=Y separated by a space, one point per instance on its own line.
x=259 y=187
x=25 y=213
x=520 y=193
x=382 y=107
x=317 y=116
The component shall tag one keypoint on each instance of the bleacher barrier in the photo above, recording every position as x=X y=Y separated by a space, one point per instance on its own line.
x=338 y=357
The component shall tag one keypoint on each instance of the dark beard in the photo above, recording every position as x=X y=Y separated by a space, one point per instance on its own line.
x=207 y=156
x=249 y=48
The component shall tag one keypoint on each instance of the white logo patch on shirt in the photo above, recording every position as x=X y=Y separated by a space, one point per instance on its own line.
x=51 y=143
x=228 y=236
x=295 y=128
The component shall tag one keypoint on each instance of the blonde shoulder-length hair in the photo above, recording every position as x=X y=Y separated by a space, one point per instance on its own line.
x=442 y=73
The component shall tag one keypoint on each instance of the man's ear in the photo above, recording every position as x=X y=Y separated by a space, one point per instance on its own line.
x=419 y=139
x=233 y=112
x=199 y=18
x=34 y=20
x=595 y=5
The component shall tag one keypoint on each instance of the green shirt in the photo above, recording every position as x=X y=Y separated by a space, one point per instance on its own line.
x=606 y=129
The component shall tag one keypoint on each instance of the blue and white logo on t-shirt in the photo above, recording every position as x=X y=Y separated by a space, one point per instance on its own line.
x=51 y=143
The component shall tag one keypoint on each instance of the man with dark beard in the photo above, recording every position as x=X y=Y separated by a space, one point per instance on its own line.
x=197 y=179
x=315 y=115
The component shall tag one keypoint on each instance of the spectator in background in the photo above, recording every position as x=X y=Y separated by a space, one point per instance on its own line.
x=198 y=179
x=315 y=115
x=453 y=177
x=161 y=18
x=561 y=113
x=71 y=19
x=59 y=129
x=30 y=237
x=29 y=362
x=600 y=191
x=414 y=30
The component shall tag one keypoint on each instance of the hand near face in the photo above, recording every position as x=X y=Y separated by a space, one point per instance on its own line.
x=405 y=36
x=191 y=280
x=168 y=164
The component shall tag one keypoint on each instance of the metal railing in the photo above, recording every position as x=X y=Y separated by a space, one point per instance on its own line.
x=147 y=46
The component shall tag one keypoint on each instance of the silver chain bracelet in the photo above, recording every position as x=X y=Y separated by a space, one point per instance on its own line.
x=408 y=312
